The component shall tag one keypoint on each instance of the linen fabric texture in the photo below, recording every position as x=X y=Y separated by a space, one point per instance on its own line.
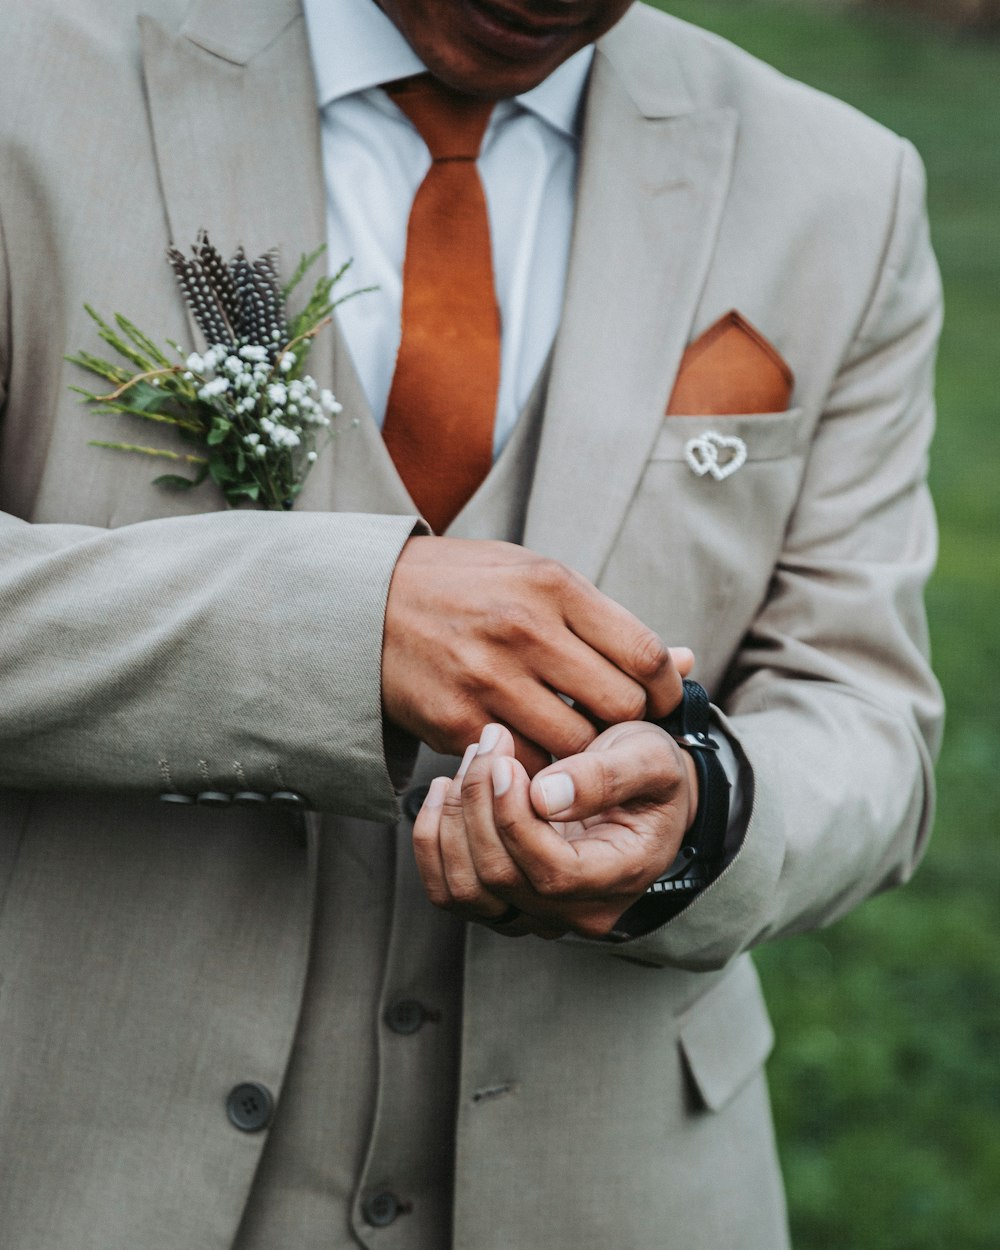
x=151 y=956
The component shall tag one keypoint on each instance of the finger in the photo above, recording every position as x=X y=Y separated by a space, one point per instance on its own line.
x=539 y=716
x=627 y=765
x=469 y=897
x=427 y=846
x=493 y=773
x=623 y=639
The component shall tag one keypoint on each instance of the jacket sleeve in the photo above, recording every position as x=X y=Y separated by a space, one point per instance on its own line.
x=831 y=700
x=232 y=651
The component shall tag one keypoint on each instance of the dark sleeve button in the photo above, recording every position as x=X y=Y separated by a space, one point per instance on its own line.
x=249 y=798
x=405 y=1016
x=172 y=797
x=414 y=801
x=380 y=1209
x=214 y=798
x=288 y=798
x=249 y=1106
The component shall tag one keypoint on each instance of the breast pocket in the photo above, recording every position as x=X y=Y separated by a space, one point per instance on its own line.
x=698 y=545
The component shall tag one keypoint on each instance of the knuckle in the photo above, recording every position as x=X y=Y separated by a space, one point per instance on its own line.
x=465 y=890
x=513 y=624
x=628 y=705
x=575 y=739
x=552 y=884
x=499 y=873
x=439 y=896
x=649 y=655
x=552 y=575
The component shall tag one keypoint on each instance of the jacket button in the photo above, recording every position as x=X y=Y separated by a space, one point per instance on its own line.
x=414 y=801
x=249 y=1106
x=214 y=798
x=249 y=798
x=380 y=1209
x=172 y=797
x=288 y=798
x=405 y=1016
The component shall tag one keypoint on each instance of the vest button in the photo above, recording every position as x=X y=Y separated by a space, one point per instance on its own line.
x=249 y=1106
x=380 y=1209
x=405 y=1016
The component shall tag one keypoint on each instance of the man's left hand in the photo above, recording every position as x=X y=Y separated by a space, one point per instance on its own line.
x=572 y=848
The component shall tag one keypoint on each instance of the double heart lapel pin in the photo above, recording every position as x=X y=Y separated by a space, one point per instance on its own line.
x=717 y=454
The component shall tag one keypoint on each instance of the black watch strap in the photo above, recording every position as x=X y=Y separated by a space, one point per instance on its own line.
x=702 y=852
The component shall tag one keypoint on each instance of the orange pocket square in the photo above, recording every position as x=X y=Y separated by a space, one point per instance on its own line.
x=731 y=368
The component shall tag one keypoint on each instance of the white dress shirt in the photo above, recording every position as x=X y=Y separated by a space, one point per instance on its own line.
x=374 y=160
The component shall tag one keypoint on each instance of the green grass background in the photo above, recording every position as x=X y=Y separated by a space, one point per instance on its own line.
x=886 y=1076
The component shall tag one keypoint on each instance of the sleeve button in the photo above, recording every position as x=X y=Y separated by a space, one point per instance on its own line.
x=288 y=798
x=171 y=796
x=249 y=798
x=214 y=798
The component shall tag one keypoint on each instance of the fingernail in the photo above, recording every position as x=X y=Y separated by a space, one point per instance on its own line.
x=436 y=792
x=488 y=739
x=502 y=774
x=558 y=792
x=467 y=758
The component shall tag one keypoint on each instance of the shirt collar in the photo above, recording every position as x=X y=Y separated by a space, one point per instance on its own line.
x=355 y=46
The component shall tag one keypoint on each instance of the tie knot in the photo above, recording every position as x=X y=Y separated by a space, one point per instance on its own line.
x=450 y=123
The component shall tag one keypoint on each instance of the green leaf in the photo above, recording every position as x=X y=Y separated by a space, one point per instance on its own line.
x=249 y=491
x=175 y=481
x=142 y=341
x=306 y=262
x=220 y=472
x=217 y=434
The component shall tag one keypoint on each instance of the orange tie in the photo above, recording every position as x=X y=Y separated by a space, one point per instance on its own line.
x=439 y=416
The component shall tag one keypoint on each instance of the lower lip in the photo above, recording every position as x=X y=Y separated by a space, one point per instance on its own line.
x=508 y=41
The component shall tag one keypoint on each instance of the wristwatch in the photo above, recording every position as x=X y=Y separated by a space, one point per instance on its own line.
x=702 y=852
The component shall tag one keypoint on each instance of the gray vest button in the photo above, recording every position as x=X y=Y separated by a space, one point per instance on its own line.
x=249 y=1106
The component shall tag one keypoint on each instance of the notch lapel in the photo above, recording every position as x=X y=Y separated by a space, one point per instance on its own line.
x=235 y=123
x=653 y=181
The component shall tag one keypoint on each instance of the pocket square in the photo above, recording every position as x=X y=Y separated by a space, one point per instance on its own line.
x=731 y=369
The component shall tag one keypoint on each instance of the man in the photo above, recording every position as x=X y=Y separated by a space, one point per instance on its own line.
x=244 y=1026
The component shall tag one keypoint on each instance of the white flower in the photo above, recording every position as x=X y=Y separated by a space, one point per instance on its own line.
x=254 y=352
x=282 y=436
x=329 y=402
x=195 y=363
x=296 y=391
x=266 y=424
x=251 y=440
x=277 y=393
x=234 y=365
x=261 y=450
x=311 y=457
x=287 y=362
x=188 y=376
x=218 y=386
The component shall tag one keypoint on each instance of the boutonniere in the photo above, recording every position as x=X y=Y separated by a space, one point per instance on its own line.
x=246 y=403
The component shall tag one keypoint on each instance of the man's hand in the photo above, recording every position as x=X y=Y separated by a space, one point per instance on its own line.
x=572 y=848
x=479 y=631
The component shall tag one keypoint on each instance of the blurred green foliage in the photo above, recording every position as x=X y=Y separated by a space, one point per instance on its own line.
x=886 y=1077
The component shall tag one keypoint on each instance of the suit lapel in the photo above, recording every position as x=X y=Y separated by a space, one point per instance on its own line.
x=653 y=180
x=235 y=124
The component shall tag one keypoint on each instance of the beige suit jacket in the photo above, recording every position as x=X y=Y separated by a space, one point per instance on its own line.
x=151 y=642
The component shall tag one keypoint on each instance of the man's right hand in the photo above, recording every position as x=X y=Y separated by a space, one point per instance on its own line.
x=480 y=631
